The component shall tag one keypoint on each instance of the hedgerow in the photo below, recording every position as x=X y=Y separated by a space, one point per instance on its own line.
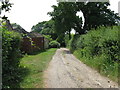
x=54 y=44
x=99 y=49
x=10 y=58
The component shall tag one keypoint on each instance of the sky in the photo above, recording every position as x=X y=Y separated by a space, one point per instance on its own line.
x=29 y=12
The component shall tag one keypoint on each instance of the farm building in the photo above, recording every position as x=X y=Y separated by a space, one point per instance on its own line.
x=32 y=41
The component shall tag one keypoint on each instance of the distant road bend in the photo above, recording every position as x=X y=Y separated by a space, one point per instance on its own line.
x=65 y=71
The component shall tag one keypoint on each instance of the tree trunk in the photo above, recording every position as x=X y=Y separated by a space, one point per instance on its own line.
x=69 y=35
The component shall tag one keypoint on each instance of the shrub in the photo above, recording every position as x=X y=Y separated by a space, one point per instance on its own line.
x=67 y=41
x=48 y=37
x=54 y=44
x=66 y=38
x=10 y=53
x=61 y=39
x=97 y=42
x=73 y=43
x=99 y=49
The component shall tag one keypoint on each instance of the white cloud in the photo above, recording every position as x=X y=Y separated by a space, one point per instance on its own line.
x=29 y=12
x=114 y=5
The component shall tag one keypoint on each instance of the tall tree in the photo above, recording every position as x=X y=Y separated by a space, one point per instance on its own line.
x=97 y=14
x=45 y=28
x=65 y=18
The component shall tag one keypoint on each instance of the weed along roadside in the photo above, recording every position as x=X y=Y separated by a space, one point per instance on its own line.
x=35 y=64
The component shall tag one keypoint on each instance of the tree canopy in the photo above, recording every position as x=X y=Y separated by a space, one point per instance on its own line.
x=45 y=28
x=38 y=27
x=64 y=18
x=95 y=13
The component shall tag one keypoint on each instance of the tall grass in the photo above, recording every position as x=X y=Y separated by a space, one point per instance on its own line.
x=99 y=49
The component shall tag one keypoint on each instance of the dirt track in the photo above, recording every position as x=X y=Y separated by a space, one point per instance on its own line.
x=65 y=71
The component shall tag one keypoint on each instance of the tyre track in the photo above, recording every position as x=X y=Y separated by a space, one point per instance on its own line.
x=65 y=71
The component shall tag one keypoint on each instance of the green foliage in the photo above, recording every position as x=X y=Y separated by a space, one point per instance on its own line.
x=48 y=37
x=45 y=28
x=54 y=44
x=38 y=27
x=97 y=14
x=61 y=39
x=99 y=49
x=64 y=16
x=36 y=65
x=48 y=28
x=72 y=43
x=66 y=38
x=10 y=54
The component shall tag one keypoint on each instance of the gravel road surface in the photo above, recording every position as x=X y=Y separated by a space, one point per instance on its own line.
x=66 y=71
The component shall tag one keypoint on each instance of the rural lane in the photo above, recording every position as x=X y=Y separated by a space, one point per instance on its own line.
x=66 y=71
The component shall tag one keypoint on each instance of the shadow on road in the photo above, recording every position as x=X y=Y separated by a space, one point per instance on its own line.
x=67 y=52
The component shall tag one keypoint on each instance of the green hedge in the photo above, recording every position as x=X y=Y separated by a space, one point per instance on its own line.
x=73 y=43
x=10 y=54
x=54 y=44
x=99 y=49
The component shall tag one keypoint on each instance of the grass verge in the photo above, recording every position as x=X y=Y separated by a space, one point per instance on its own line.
x=104 y=68
x=35 y=65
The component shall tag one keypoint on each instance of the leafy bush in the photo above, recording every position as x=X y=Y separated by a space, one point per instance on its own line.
x=61 y=40
x=54 y=44
x=66 y=38
x=48 y=37
x=10 y=53
x=72 y=43
x=99 y=49
x=67 y=41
